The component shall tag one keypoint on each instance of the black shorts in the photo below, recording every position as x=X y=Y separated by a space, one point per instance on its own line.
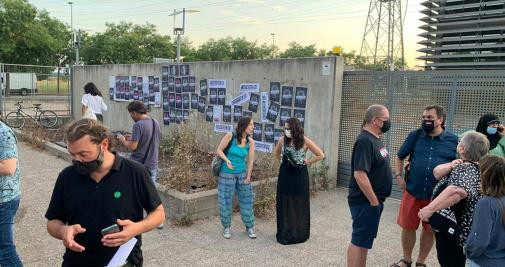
x=365 y=223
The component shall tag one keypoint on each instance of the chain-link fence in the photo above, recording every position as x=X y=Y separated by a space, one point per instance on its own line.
x=466 y=95
x=32 y=84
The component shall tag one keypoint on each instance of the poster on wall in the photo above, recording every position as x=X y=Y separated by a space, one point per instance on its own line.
x=239 y=100
x=145 y=90
x=269 y=133
x=264 y=106
x=194 y=101
x=287 y=96
x=112 y=86
x=213 y=83
x=185 y=115
x=157 y=92
x=237 y=113
x=263 y=147
x=254 y=101
x=185 y=101
x=247 y=114
x=202 y=101
x=209 y=113
x=218 y=114
x=166 y=106
x=178 y=117
x=203 y=87
x=184 y=69
x=223 y=128
x=258 y=131
x=136 y=95
x=192 y=84
x=275 y=91
x=221 y=99
x=185 y=84
x=213 y=96
x=166 y=118
x=172 y=115
x=140 y=86
x=171 y=84
x=301 y=97
x=178 y=101
x=285 y=115
x=133 y=88
x=278 y=133
x=226 y=113
x=249 y=87
x=273 y=111
x=164 y=73
x=178 y=85
x=171 y=100
x=174 y=70
x=300 y=115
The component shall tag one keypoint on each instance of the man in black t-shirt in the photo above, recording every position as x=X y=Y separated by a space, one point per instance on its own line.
x=370 y=185
x=98 y=190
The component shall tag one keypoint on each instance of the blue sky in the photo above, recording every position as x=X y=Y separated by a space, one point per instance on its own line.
x=325 y=23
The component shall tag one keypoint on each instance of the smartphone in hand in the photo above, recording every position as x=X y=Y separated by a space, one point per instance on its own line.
x=111 y=229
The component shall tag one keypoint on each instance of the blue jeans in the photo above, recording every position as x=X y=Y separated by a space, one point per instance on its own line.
x=472 y=263
x=154 y=175
x=8 y=255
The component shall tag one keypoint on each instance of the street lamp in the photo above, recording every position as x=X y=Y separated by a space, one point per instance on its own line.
x=180 y=30
x=71 y=16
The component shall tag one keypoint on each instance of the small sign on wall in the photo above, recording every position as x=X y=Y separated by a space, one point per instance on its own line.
x=325 y=68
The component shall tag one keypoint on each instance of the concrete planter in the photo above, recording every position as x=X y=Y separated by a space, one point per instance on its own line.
x=178 y=205
x=203 y=204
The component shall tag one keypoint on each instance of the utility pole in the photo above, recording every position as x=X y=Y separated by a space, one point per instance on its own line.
x=273 y=43
x=180 y=30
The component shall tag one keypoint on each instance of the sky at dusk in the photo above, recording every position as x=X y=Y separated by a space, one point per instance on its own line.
x=326 y=23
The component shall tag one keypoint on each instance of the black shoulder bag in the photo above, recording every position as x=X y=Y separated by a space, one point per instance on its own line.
x=289 y=161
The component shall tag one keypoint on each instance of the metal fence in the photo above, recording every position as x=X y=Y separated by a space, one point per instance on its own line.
x=466 y=95
x=33 y=84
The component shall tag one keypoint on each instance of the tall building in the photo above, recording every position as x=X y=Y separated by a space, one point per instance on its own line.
x=463 y=34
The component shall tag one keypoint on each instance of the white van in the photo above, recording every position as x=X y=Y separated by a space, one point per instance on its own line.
x=20 y=83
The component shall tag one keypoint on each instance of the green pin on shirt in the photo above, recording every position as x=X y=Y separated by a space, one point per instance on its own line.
x=117 y=194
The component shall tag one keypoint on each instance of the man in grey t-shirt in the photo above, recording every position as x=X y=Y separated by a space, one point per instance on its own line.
x=145 y=138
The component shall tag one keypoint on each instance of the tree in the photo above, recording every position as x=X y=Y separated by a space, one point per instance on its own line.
x=28 y=36
x=126 y=43
x=232 y=49
x=297 y=50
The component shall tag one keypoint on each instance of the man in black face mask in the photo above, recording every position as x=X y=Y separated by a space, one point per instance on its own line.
x=370 y=185
x=98 y=190
x=425 y=148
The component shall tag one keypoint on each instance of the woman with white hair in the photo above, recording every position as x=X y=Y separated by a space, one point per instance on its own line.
x=454 y=206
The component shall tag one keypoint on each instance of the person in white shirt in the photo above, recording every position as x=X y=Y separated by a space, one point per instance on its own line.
x=93 y=100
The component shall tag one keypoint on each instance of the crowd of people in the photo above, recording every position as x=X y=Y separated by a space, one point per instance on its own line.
x=455 y=189
x=453 y=186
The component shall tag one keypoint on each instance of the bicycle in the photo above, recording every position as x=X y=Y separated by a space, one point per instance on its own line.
x=17 y=119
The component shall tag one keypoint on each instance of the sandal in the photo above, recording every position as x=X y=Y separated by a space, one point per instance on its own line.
x=406 y=263
x=420 y=264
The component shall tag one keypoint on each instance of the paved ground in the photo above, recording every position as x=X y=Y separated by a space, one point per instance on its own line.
x=201 y=244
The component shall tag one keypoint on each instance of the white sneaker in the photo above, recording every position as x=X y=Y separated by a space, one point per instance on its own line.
x=251 y=233
x=161 y=226
x=227 y=233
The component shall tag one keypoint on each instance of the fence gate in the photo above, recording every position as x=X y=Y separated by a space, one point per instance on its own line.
x=466 y=95
x=33 y=84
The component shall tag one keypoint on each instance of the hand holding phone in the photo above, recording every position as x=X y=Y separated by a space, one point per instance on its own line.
x=111 y=229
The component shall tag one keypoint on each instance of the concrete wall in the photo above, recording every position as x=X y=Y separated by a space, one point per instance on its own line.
x=322 y=118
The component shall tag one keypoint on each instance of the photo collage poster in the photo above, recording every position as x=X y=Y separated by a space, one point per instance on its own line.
x=178 y=93
x=130 y=88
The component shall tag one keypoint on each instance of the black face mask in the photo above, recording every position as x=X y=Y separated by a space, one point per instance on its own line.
x=428 y=126
x=86 y=168
x=386 y=126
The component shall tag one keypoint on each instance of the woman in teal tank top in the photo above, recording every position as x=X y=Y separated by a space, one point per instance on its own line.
x=236 y=176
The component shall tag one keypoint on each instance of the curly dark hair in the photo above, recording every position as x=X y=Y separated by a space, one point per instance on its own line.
x=297 y=133
x=241 y=127
x=90 y=88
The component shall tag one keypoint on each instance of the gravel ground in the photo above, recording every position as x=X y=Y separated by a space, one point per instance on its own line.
x=201 y=244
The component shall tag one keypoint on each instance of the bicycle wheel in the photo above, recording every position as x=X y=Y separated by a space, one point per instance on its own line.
x=15 y=120
x=48 y=118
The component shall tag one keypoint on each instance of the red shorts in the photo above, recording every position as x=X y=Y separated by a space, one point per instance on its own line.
x=409 y=209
